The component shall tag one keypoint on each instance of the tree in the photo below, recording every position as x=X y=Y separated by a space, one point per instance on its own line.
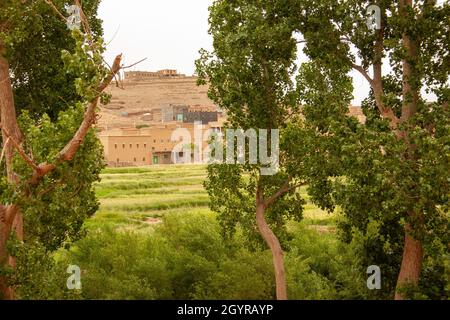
x=250 y=74
x=50 y=166
x=396 y=167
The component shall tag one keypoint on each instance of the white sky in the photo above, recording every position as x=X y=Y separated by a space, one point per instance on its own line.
x=169 y=33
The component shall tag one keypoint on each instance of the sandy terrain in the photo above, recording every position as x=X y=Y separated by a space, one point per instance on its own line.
x=129 y=105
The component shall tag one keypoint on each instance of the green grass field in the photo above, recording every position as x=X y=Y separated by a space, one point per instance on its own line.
x=139 y=197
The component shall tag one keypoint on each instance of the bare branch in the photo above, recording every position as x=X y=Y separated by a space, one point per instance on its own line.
x=345 y=38
x=4 y=149
x=132 y=65
x=18 y=147
x=361 y=70
x=113 y=37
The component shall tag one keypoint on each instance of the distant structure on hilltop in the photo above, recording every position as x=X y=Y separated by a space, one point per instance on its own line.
x=148 y=75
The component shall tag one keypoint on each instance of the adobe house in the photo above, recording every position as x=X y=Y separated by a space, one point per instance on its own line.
x=156 y=144
x=203 y=114
x=151 y=146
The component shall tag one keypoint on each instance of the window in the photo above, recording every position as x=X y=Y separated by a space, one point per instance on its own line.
x=153 y=148
x=118 y=160
x=137 y=145
x=145 y=146
x=154 y=141
x=180 y=154
x=162 y=140
x=166 y=156
x=143 y=159
x=115 y=146
x=135 y=160
x=131 y=146
x=123 y=146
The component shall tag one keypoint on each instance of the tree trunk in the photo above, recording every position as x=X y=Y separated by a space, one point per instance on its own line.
x=10 y=220
x=10 y=217
x=411 y=263
x=274 y=245
x=5 y=229
x=412 y=251
x=10 y=128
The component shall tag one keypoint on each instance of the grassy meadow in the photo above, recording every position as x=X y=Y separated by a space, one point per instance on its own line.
x=139 y=198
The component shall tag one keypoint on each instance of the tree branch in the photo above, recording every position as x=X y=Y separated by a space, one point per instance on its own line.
x=361 y=70
x=285 y=188
x=376 y=83
x=132 y=65
x=52 y=5
x=18 y=147
x=69 y=151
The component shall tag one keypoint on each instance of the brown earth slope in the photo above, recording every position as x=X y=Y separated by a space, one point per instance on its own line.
x=129 y=105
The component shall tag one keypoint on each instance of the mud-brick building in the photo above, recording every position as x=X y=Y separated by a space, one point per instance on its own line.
x=203 y=114
x=161 y=144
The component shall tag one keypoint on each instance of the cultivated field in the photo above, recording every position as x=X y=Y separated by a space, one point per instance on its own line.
x=138 y=198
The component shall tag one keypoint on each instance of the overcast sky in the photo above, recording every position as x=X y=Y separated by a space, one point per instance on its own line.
x=167 y=32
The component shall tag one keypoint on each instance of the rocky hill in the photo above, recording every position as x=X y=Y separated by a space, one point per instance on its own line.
x=131 y=104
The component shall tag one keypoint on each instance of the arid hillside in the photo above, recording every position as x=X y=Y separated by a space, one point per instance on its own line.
x=131 y=105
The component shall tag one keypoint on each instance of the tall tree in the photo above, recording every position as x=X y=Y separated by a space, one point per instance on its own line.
x=50 y=166
x=251 y=75
x=397 y=166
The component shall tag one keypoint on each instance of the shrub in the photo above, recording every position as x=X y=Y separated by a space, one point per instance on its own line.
x=186 y=257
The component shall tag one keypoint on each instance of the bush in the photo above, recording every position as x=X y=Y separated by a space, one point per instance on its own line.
x=186 y=257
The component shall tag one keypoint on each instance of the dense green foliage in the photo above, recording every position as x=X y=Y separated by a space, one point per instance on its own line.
x=250 y=74
x=385 y=183
x=41 y=83
x=186 y=258
x=373 y=181
x=55 y=74
x=55 y=211
x=381 y=182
